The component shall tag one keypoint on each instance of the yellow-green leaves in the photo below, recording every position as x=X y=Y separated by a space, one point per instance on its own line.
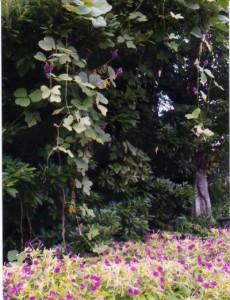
x=53 y=94
x=194 y=115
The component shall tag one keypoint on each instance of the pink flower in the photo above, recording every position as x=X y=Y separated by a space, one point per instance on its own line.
x=114 y=54
x=195 y=91
x=57 y=270
x=119 y=72
x=200 y=279
x=190 y=247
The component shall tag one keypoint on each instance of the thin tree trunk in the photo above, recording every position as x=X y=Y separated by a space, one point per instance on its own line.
x=202 y=203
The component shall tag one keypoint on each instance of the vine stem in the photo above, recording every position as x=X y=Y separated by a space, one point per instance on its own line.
x=63 y=199
x=21 y=225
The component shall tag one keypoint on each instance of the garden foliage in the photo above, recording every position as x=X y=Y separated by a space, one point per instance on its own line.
x=106 y=106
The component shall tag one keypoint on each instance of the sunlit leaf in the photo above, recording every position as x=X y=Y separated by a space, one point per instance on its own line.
x=177 y=16
x=40 y=56
x=47 y=43
x=36 y=96
x=103 y=109
x=194 y=115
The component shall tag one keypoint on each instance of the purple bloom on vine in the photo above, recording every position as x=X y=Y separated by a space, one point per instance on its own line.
x=195 y=91
x=69 y=296
x=200 y=279
x=32 y=298
x=206 y=286
x=103 y=126
x=47 y=68
x=205 y=63
x=80 y=228
x=114 y=54
x=190 y=247
x=119 y=72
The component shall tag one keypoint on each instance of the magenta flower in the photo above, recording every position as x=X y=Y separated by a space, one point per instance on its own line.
x=190 y=247
x=69 y=296
x=200 y=279
x=32 y=298
x=114 y=54
x=119 y=72
x=205 y=63
x=214 y=283
x=52 y=293
x=134 y=292
x=57 y=270
x=195 y=91
x=82 y=286
x=206 y=286
x=47 y=68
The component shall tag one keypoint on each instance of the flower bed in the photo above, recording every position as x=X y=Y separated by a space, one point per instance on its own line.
x=164 y=267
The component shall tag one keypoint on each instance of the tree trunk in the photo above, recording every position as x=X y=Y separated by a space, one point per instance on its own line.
x=202 y=203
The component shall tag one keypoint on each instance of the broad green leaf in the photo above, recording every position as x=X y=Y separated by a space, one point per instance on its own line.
x=55 y=98
x=40 y=56
x=128 y=37
x=103 y=109
x=92 y=233
x=36 y=96
x=209 y=73
x=90 y=133
x=173 y=36
x=12 y=192
x=45 y=91
x=130 y=44
x=65 y=77
x=85 y=121
x=79 y=81
x=98 y=22
x=173 y=45
x=208 y=132
x=177 y=16
x=192 y=5
x=64 y=59
x=21 y=92
x=95 y=79
x=79 y=127
x=78 y=184
x=139 y=16
x=196 y=31
x=68 y=121
x=101 y=99
x=47 y=44
x=80 y=63
x=120 y=39
x=86 y=189
x=203 y=78
x=21 y=257
x=12 y=255
x=194 y=115
x=24 y=102
x=56 y=90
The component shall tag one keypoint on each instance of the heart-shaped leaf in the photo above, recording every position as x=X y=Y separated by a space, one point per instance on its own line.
x=24 y=102
x=47 y=43
x=21 y=92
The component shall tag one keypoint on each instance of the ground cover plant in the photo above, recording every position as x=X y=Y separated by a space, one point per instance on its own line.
x=165 y=266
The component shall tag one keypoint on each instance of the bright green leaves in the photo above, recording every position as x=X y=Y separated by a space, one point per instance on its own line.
x=91 y=10
x=67 y=122
x=203 y=78
x=138 y=16
x=47 y=44
x=12 y=255
x=53 y=94
x=194 y=115
x=24 y=100
x=128 y=39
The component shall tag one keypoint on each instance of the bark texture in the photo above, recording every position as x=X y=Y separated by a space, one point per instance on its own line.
x=202 y=203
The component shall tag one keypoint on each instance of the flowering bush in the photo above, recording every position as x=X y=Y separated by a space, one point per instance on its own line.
x=164 y=267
